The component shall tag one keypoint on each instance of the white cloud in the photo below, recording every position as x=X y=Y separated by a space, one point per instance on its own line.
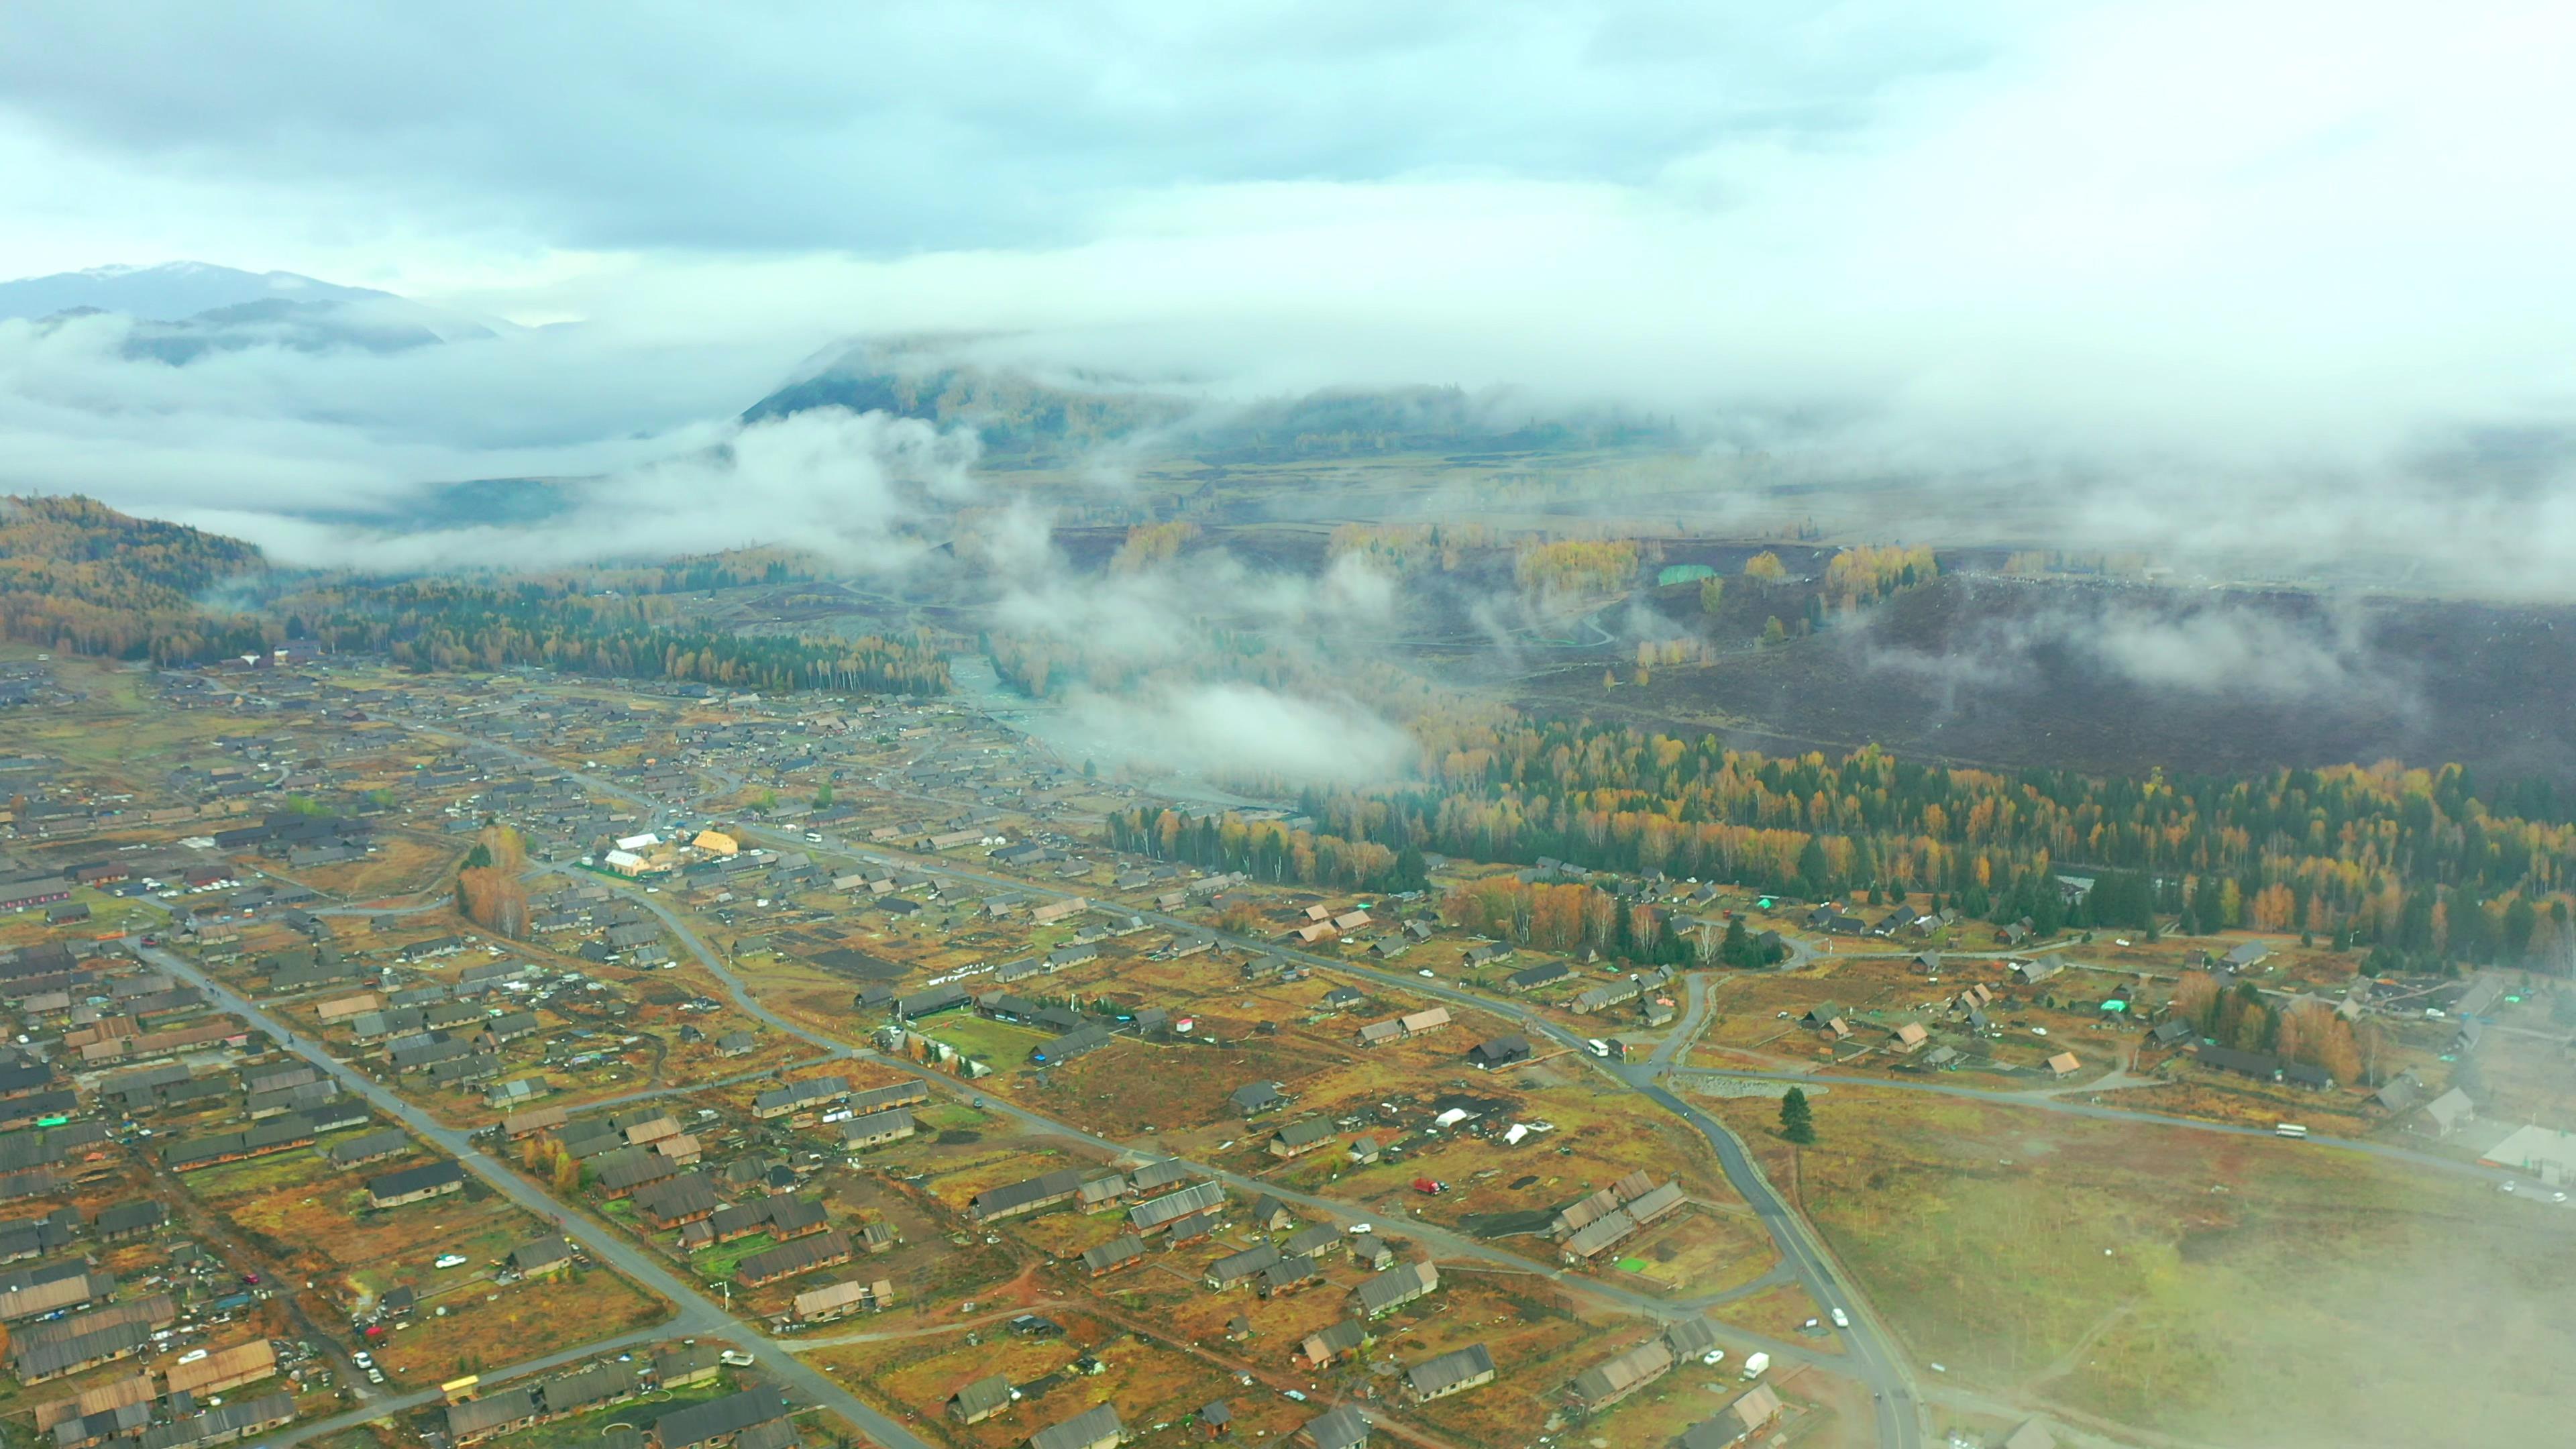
x=2036 y=244
x=841 y=484
x=1236 y=731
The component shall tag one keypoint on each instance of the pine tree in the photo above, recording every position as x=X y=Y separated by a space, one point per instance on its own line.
x=1797 y=1122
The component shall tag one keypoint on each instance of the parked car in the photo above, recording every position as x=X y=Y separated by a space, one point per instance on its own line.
x=449 y=1260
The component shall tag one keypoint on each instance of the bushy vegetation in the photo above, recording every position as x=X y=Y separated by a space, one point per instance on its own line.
x=1149 y=544
x=1576 y=566
x=1865 y=575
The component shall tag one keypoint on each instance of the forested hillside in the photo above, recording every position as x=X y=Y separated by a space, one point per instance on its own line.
x=78 y=576
x=437 y=624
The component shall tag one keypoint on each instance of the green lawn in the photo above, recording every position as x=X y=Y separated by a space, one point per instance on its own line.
x=998 y=1045
x=719 y=1261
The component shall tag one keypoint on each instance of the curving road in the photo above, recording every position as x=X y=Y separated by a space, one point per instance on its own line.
x=1868 y=1355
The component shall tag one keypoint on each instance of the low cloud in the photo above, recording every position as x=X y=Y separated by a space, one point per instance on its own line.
x=2235 y=652
x=844 y=485
x=1243 y=733
x=2259 y=649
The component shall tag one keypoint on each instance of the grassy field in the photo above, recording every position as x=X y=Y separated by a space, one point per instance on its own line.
x=503 y=1325
x=399 y=865
x=2231 y=1290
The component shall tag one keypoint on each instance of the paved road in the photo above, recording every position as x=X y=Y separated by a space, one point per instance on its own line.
x=370 y=1410
x=698 y=1316
x=1867 y=1355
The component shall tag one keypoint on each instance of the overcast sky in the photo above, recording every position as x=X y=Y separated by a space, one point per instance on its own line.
x=2246 y=239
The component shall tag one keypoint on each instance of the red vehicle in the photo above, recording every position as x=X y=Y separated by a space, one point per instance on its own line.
x=1429 y=1186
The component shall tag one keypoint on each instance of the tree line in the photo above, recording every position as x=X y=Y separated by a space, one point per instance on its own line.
x=2414 y=863
x=442 y=625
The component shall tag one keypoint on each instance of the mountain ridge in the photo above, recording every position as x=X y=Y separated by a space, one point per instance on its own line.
x=167 y=291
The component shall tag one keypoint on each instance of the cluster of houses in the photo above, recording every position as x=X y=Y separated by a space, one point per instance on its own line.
x=754 y=1418
x=1584 y=1229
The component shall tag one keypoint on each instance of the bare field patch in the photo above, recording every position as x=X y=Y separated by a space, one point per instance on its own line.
x=2229 y=1289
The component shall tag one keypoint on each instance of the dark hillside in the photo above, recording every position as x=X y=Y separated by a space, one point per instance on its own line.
x=2112 y=678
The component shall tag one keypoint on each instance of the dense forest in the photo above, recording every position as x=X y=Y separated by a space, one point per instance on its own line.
x=2415 y=865
x=80 y=577
x=433 y=624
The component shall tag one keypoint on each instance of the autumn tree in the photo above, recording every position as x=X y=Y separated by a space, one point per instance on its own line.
x=494 y=895
x=1765 y=568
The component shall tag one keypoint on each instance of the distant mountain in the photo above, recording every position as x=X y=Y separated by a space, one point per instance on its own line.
x=1022 y=418
x=1016 y=415
x=375 y=324
x=513 y=502
x=168 y=292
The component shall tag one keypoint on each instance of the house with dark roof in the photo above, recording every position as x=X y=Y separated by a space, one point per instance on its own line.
x=1239 y=1267
x=1158 y=1213
x=688 y=1198
x=1450 y=1373
x=1298 y=1138
x=1343 y=1427
x=1094 y=1428
x=503 y=1411
x=1384 y=1292
x=1530 y=978
x=974 y=1403
x=418 y=1184
x=601 y=1383
x=690 y=1364
x=1019 y=1199
x=1752 y=1412
x=823 y=1250
x=544 y=1256
x=717 y=1420
x=2256 y=1066
x=1113 y=1255
x=1253 y=1098
x=1623 y=1374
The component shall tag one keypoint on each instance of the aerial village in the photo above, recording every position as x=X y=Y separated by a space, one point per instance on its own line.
x=519 y=1061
